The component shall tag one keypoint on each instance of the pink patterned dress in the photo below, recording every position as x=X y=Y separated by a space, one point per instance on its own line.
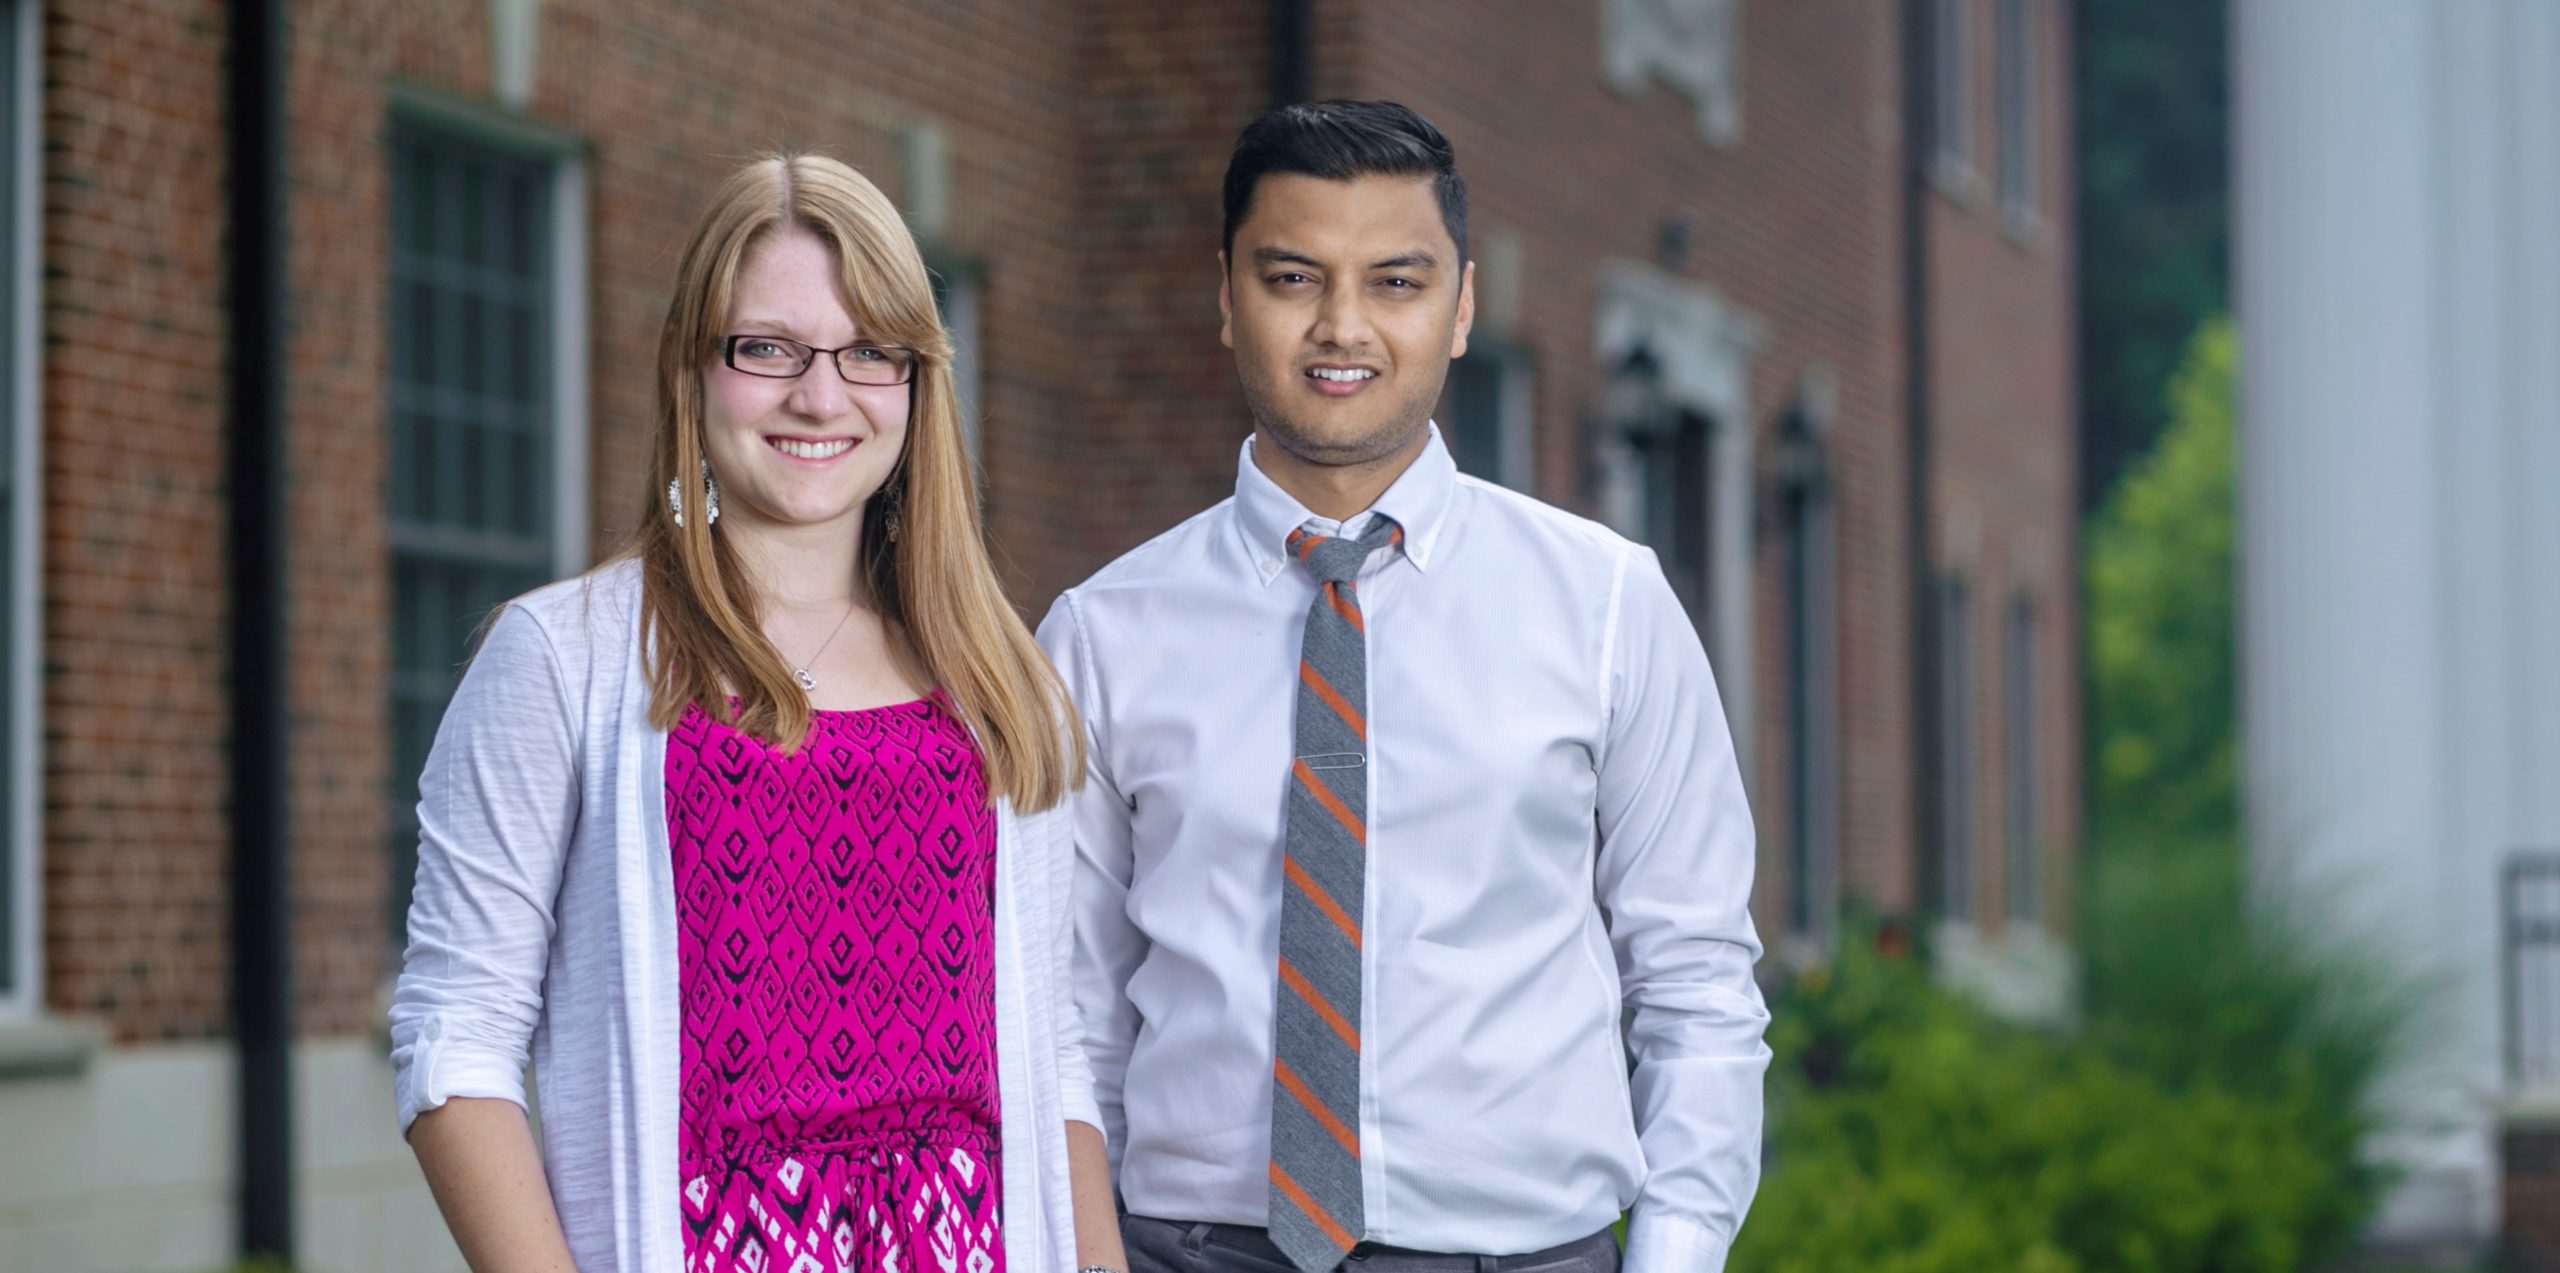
x=837 y=920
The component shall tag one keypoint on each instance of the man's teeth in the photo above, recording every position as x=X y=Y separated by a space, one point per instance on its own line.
x=813 y=450
x=1328 y=373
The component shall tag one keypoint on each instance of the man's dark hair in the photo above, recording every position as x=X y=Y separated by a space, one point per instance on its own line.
x=1338 y=141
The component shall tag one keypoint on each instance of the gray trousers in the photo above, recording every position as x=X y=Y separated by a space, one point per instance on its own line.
x=1168 y=1246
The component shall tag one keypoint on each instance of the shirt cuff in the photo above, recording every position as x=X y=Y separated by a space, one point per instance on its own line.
x=1669 y=1244
x=1077 y=1100
x=432 y=1070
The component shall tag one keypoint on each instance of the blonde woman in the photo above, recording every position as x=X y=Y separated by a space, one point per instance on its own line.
x=752 y=840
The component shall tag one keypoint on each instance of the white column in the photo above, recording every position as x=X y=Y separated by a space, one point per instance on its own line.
x=2398 y=274
x=2338 y=243
x=2334 y=247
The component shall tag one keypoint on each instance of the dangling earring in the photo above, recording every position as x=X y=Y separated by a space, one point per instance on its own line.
x=889 y=525
x=710 y=497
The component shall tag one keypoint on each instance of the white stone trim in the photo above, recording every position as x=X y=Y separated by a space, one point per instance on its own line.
x=1706 y=346
x=1693 y=47
x=2023 y=973
x=515 y=30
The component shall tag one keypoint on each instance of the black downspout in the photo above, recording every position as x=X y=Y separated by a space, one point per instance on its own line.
x=261 y=905
x=1918 y=141
x=1292 y=58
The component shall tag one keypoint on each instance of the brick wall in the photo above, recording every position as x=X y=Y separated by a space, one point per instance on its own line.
x=134 y=652
x=2003 y=412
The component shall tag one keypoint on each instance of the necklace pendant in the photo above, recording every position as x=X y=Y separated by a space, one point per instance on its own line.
x=807 y=682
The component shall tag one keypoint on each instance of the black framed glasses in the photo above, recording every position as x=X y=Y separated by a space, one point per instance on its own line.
x=778 y=359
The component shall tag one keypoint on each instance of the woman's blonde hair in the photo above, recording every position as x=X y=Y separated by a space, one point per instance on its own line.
x=700 y=611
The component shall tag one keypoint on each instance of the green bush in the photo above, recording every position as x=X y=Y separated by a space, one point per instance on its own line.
x=1913 y=1133
x=2191 y=983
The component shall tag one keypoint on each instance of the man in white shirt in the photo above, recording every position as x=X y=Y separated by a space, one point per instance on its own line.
x=1413 y=815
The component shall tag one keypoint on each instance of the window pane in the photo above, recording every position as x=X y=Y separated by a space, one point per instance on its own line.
x=1678 y=482
x=519 y=380
x=2025 y=880
x=471 y=211
x=2017 y=104
x=474 y=375
x=524 y=245
x=1952 y=71
x=1471 y=415
x=957 y=293
x=1955 y=710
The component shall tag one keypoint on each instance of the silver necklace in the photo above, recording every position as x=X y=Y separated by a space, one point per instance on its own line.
x=808 y=683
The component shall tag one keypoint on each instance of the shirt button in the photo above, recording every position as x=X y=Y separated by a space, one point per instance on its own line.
x=1269 y=567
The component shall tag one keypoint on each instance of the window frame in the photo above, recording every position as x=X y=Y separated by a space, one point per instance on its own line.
x=563 y=384
x=2023 y=869
x=1958 y=832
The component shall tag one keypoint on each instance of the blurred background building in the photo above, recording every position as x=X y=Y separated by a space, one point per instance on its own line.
x=1784 y=289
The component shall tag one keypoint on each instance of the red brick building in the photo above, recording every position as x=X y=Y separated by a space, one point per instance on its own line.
x=1735 y=297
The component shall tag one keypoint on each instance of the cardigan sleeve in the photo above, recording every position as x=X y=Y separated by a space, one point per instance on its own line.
x=497 y=806
x=1075 y=1070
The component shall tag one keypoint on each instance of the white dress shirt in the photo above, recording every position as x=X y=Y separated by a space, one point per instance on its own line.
x=1559 y=873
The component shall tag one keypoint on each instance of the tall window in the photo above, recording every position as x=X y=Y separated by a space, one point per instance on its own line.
x=1951 y=83
x=476 y=501
x=20 y=845
x=2018 y=110
x=1679 y=484
x=2025 y=880
x=1813 y=763
x=1486 y=410
x=1955 y=749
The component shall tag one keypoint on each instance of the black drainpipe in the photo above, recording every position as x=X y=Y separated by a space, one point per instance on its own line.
x=1292 y=58
x=1917 y=142
x=261 y=879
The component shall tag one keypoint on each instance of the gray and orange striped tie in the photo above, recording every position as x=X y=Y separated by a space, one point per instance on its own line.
x=1316 y=1211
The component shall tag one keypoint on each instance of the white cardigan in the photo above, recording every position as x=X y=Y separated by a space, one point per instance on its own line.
x=545 y=916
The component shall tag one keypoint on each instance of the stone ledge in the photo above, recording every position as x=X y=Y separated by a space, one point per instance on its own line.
x=45 y=1047
x=2532 y=1110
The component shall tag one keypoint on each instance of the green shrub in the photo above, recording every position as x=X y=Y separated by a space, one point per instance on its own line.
x=1911 y=1132
x=2191 y=984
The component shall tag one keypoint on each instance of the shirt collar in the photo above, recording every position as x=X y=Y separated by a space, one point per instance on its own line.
x=1418 y=501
